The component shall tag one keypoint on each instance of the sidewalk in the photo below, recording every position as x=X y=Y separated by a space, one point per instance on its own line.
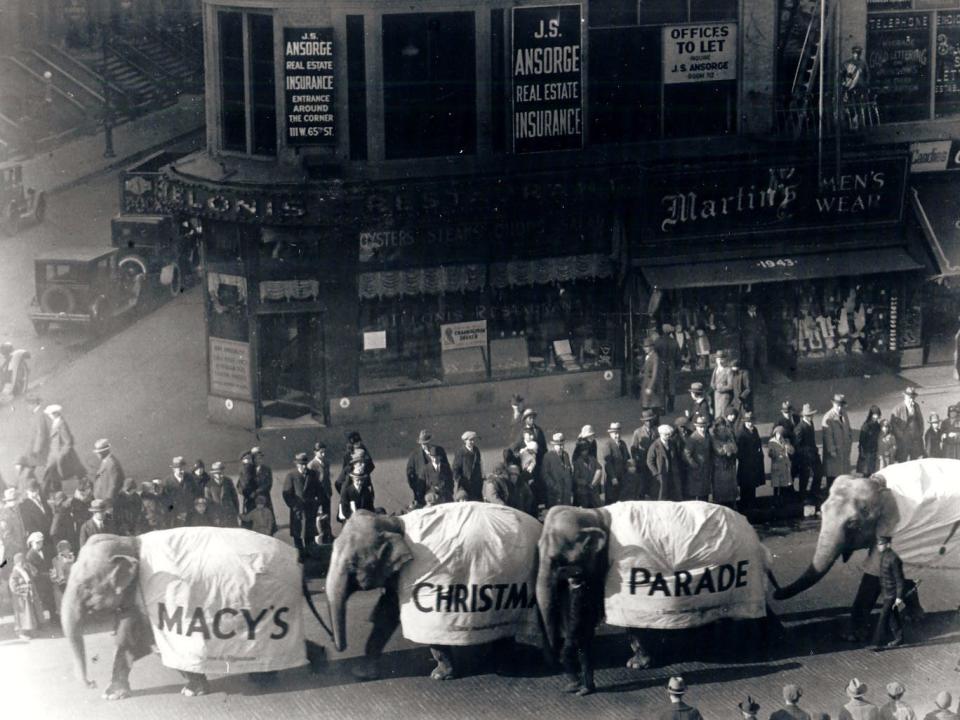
x=72 y=162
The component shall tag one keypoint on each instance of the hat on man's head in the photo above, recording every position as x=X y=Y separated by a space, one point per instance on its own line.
x=424 y=436
x=667 y=327
x=586 y=433
x=245 y=454
x=792 y=693
x=557 y=437
x=734 y=360
x=665 y=429
x=101 y=445
x=748 y=414
x=217 y=466
x=676 y=685
x=53 y=410
x=301 y=457
x=10 y=495
x=469 y=435
x=749 y=705
x=808 y=410
x=701 y=421
x=648 y=414
x=319 y=445
x=786 y=406
x=177 y=462
x=934 y=418
x=895 y=690
x=944 y=700
x=856 y=689
x=255 y=450
x=99 y=505
x=839 y=399
x=614 y=427
x=723 y=354
x=39 y=536
x=648 y=342
x=680 y=422
x=696 y=387
x=529 y=412
x=911 y=391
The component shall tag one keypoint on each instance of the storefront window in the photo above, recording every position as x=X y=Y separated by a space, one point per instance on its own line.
x=247 y=96
x=429 y=93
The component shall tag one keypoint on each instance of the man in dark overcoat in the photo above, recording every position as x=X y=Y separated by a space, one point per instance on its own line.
x=696 y=402
x=891 y=596
x=108 y=481
x=468 y=469
x=301 y=493
x=653 y=380
x=178 y=491
x=613 y=454
x=750 y=473
x=906 y=422
x=665 y=464
x=809 y=467
x=698 y=457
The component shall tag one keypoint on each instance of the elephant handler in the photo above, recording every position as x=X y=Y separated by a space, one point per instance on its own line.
x=892 y=587
x=872 y=583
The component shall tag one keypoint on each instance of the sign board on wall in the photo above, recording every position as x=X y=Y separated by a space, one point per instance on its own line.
x=934 y=156
x=946 y=89
x=463 y=335
x=699 y=53
x=375 y=340
x=898 y=56
x=547 y=79
x=308 y=85
x=230 y=368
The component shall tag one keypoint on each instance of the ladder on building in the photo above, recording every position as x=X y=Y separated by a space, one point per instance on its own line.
x=805 y=91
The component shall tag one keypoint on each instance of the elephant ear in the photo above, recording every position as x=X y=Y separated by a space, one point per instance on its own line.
x=591 y=540
x=123 y=571
x=394 y=552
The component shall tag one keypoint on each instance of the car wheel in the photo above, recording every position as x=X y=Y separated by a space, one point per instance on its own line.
x=133 y=277
x=176 y=282
x=58 y=299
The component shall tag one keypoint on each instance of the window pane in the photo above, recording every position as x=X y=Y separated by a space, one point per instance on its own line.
x=604 y=13
x=262 y=85
x=713 y=10
x=624 y=84
x=232 y=116
x=429 y=84
x=498 y=82
x=357 y=87
x=653 y=12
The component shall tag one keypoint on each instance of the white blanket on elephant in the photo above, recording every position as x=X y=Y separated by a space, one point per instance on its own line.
x=681 y=565
x=927 y=493
x=223 y=600
x=473 y=575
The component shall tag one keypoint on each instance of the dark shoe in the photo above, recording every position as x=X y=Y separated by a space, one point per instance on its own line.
x=878 y=648
x=586 y=690
x=572 y=686
x=893 y=644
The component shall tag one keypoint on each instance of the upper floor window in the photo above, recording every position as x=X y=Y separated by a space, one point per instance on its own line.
x=618 y=13
x=429 y=84
x=248 y=111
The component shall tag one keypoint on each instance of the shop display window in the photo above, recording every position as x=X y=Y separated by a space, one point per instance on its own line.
x=511 y=332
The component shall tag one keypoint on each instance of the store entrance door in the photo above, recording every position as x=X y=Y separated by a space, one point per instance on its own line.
x=292 y=374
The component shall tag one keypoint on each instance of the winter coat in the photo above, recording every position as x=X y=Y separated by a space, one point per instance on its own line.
x=724 y=464
x=690 y=406
x=750 y=472
x=933 y=442
x=867 y=447
x=613 y=457
x=780 y=453
x=698 y=456
x=223 y=500
x=909 y=432
x=588 y=482
x=837 y=442
x=468 y=472
x=721 y=382
x=742 y=390
x=665 y=464
x=653 y=382
x=886 y=450
x=557 y=478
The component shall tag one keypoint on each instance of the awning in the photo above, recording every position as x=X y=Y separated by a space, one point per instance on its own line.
x=937 y=207
x=779 y=269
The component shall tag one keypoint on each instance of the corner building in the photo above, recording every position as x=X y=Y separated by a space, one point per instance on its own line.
x=427 y=208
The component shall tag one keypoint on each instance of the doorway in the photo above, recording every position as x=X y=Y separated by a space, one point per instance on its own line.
x=292 y=389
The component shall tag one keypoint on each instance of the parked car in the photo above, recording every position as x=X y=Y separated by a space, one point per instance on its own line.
x=18 y=205
x=80 y=287
x=156 y=254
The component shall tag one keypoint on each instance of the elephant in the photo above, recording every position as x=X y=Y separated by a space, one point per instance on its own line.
x=608 y=561
x=112 y=571
x=917 y=503
x=453 y=574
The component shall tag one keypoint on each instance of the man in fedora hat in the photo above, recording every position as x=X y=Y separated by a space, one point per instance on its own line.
x=791 y=708
x=859 y=708
x=809 y=468
x=468 y=468
x=789 y=419
x=98 y=522
x=742 y=385
x=222 y=496
x=837 y=440
x=63 y=463
x=698 y=458
x=613 y=454
x=301 y=493
x=750 y=469
x=653 y=380
x=678 y=709
x=179 y=490
x=557 y=473
x=933 y=438
x=665 y=462
x=896 y=709
x=749 y=708
x=943 y=712
x=696 y=402
x=528 y=424
x=753 y=334
x=906 y=422
x=109 y=478
x=643 y=438
x=721 y=383
x=426 y=454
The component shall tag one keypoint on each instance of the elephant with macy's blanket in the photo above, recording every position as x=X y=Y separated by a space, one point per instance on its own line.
x=917 y=503
x=646 y=566
x=453 y=574
x=210 y=599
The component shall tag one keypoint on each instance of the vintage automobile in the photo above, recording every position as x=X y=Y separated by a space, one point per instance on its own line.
x=80 y=287
x=18 y=205
x=156 y=256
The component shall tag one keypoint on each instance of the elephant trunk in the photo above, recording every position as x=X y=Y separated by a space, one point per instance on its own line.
x=546 y=597
x=71 y=619
x=826 y=554
x=338 y=590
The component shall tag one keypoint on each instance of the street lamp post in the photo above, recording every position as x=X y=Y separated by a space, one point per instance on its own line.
x=107 y=105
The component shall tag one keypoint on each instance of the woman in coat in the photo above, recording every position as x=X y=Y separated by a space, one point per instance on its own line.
x=750 y=474
x=869 y=435
x=951 y=434
x=780 y=452
x=27 y=610
x=886 y=446
x=587 y=475
x=724 y=463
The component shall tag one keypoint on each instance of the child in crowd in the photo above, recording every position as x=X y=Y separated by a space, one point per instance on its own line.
x=60 y=569
x=261 y=518
x=27 y=611
x=886 y=446
x=780 y=451
x=201 y=516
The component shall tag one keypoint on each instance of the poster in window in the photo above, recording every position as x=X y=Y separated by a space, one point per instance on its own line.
x=699 y=53
x=946 y=93
x=308 y=85
x=547 y=79
x=898 y=56
x=230 y=369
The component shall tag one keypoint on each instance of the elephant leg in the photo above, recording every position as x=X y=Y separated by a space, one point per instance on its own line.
x=505 y=655
x=640 y=659
x=134 y=640
x=196 y=684
x=866 y=598
x=569 y=660
x=386 y=619
x=444 y=669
